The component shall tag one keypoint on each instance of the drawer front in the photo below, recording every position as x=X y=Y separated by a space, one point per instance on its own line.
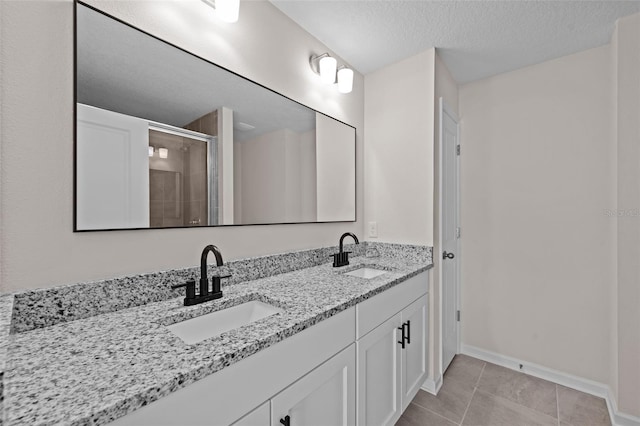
x=373 y=312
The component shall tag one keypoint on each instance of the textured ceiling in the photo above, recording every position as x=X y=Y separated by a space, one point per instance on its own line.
x=476 y=39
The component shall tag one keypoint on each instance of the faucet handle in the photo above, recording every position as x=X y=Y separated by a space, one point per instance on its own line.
x=336 y=254
x=191 y=289
x=341 y=259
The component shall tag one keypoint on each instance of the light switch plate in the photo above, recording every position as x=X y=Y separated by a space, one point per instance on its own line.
x=373 y=229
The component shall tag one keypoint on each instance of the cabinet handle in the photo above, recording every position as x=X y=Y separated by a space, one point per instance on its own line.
x=408 y=331
x=286 y=421
x=401 y=341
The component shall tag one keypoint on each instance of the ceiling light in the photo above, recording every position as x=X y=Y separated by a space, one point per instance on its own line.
x=227 y=10
x=326 y=66
x=164 y=152
x=345 y=80
x=243 y=126
x=150 y=151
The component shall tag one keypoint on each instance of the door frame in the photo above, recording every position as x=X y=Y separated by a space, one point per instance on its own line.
x=444 y=108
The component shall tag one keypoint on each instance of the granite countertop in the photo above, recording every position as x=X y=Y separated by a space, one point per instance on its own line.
x=96 y=369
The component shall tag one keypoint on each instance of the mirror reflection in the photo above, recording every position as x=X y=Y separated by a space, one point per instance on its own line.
x=166 y=139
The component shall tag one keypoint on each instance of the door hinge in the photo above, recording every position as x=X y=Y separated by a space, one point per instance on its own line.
x=458 y=149
x=458 y=232
x=458 y=316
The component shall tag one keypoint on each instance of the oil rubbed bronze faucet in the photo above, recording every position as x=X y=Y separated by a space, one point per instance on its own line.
x=342 y=257
x=205 y=294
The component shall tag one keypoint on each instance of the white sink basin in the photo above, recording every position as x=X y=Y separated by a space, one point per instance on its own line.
x=366 y=273
x=206 y=326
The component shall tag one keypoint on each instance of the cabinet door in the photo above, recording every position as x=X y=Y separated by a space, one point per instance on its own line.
x=379 y=375
x=261 y=416
x=414 y=356
x=325 y=396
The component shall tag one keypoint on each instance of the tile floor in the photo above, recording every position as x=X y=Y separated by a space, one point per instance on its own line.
x=479 y=393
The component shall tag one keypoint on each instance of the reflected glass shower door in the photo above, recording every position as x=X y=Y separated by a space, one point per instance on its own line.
x=180 y=176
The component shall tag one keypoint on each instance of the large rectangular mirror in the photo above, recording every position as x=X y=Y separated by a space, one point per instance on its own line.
x=166 y=139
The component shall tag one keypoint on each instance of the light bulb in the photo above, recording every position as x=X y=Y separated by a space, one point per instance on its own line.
x=164 y=152
x=150 y=151
x=228 y=10
x=345 y=80
x=328 y=67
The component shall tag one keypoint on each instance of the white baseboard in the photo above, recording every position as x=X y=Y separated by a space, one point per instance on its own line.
x=574 y=382
x=432 y=386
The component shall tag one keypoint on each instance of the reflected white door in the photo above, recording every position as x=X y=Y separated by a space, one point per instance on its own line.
x=112 y=180
x=450 y=255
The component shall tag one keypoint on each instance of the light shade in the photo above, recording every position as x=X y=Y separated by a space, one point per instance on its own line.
x=228 y=10
x=328 y=67
x=164 y=152
x=345 y=80
x=150 y=151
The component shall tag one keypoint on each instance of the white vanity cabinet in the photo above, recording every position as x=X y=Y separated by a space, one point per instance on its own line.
x=414 y=356
x=390 y=373
x=379 y=375
x=261 y=416
x=326 y=396
x=347 y=369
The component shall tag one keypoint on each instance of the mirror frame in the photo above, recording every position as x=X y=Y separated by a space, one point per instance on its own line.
x=75 y=130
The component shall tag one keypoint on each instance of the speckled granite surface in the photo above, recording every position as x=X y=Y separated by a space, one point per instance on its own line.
x=99 y=368
x=6 y=303
x=46 y=307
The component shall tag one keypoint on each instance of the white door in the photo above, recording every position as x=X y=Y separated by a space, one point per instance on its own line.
x=379 y=396
x=449 y=237
x=325 y=396
x=414 y=355
x=112 y=175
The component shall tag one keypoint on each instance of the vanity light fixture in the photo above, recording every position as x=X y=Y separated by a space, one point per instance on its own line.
x=151 y=151
x=164 y=152
x=345 y=80
x=227 y=10
x=326 y=67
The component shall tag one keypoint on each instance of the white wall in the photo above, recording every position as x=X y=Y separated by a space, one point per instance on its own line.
x=274 y=173
x=626 y=375
x=334 y=170
x=38 y=246
x=399 y=113
x=308 y=181
x=539 y=253
x=399 y=158
x=262 y=178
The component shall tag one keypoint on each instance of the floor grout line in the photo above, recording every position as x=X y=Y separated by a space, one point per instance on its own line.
x=472 y=395
x=433 y=412
x=558 y=404
x=480 y=376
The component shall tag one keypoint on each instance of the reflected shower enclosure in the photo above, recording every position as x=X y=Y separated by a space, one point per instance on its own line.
x=178 y=183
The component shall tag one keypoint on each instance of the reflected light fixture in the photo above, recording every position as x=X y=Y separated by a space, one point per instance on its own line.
x=326 y=67
x=151 y=151
x=163 y=152
x=226 y=10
